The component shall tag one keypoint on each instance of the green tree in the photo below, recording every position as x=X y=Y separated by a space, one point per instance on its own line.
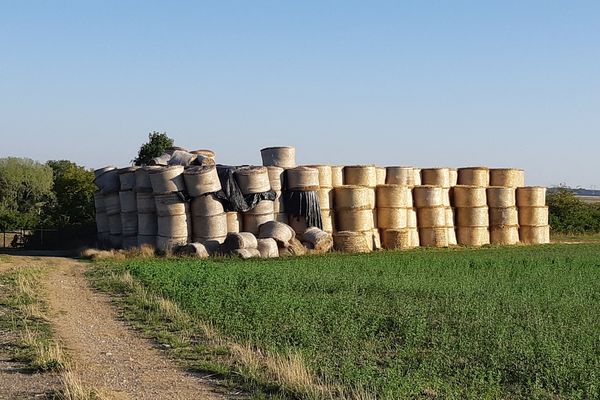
x=73 y=195
x=568 y=214
x=25 y=188
x=156 y=146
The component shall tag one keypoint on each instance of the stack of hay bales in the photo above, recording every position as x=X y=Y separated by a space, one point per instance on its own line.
x=174 y=225
x=355 y=216
x=146 y=208
x=431 y=215
x=276 y=175
x=209 y=220
x=252 y=180
x=533 y=215
x=472 y=215
x=504 y=220
x=394 y=202
x=405 y=176
x=301 y=179
x=442 y=177
x=108 y=183
x=127 y=198
x=325 y=195
x=102 y=226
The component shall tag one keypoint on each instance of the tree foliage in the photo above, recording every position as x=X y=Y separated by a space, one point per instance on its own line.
x=25 y=188
x=156 y=146
x=568 y=214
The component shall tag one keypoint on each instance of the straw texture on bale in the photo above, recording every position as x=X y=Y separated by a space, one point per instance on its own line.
x=380 y=173
x=246 y=254
x=170 y=204
x=253 y=179
x=337 y=175
x=472 y=216
x=127 y=178
x=431 y=217
x=317 y=240
x=145 y=202
x=451 y=232
x=450 y=216
x=168 y=244
x=533 y=216
x=435 y=177
x=428 y=196
x=355 y=220
x=328 y=220
x=267 y=248
x=446 y=197
x=352 y=242
x=360 y=175
x=354 y=197
x=241 y=240
x=325 y=197
x=275 y=177
x=167 y=179
x=503 y=216
x=325 y=175
x=474 y=176
x=534 y=234
x=142 y=179
x=453 y=176
x=505 y=235
x=302 y=178
x=404 y=176
x=278 y=231
x=206 y=205
x=196 y=250
x=391 y=218
x=200 y=180
x=509 y=177
x=128 y=201
x=146 y=240
x=107 y=180
x=147 y=224
x=531 y=196
x=411 y=218
x=252 y=222
x=417 y=174
x=473 y=235
x=209 y=226
x=112 y=203
x=469 y=196
x=283 y=156
x=234 y=222
x=129 y=223
x=174 y=225
x=262 y=207
x=294 y=248
x=498 y=196
x=397 y=239
x=414 y=237
x=394 y=196
x=433 y=237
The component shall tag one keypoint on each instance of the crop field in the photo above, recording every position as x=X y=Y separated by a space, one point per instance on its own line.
x=514 y=322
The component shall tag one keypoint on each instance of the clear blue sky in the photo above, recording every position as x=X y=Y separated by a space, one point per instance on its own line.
x=426 y=83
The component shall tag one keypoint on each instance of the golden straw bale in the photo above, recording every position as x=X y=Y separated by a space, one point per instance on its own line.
x=206 y=205
x=280 y=156
x=509 y=177
x=391 y=218
x=472 y=216
x=435 y=177
x=397 y=239
x=325 y=175
x=474 y=176
x=241 y=240
x=360 y=175
x=472 y=235
x=534 y=234
x=503 y=216
x=498 y=196
x=337 y=175
x=533 y=216
x=302 y=178
x=354 y=197
x=200 y=180
x=428 y=196
x=267 y=248
x=253 y=179
x=531 y=196
x=433 y=237
x=395 y=196
x=355 y=220
x=317 y=240
x=380 y=175
x=469 y=196
x=210 y=226
x=352 y=242
x=505 y=235
x=430 y=217
x=400 y=176
x=252 y=222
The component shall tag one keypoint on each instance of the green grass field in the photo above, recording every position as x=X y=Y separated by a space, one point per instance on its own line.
x=515 y=322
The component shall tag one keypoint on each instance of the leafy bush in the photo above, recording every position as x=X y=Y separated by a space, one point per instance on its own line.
x=156 y=146
x=570 y=215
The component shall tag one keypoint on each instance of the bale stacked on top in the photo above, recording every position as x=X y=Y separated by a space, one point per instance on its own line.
x=355 y=212
x=474 y=176
x=533 y=215
x=472 y=216
x=282 y=156
x=325 y=195
x=337 y=175
x=442 y=177
x=146 y=208
x=431 y=215
x=301 y=179
x=276 y=175
x=380 y=175
x=394 y=202
x=127 y=198
x=404 y=176
x=252 y=180
x=507 y=177
x=504 y=220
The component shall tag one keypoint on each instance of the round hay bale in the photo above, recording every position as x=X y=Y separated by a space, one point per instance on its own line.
x=294 y=248
x=240 y=240
x=196 y=250
x=417 y=173
x=504 y=235
x=474 y=176
x=337 y=175
x=107 y=180
x=411 y=218
x=431 y=217
x=533 y=216
x=206 y=205
x=450 y=218
x=534 y=234
x=127 y=178
x=114 y=224
x=174 y=225
x=404 y=176
x=302 y=179
x=446 y=201
x=328 y=220
x=453 y=175
x=146 y=240
x=204 y=152
x=380 y=174
x=498 y=196
x=414 y=237
x=252 y=222
x=129 y=242
x=531 y=196
x=469 y=196
x=428 y=196
x=508 y=177
x=212 y=245
x=352 y=242
x=451 y=232
x=360 y=175
x=472 y=216
x=325 y=175
x=278 y=231
x=435 y=177
x=180 y=157
x=275 y=177
x=473 y=235
x=253 y=179
x=391 y=218
x=145 y=202
x=317 y=240
x=262 y=207
x=170 y=204
x=128 y=201
x=503 y=216
x=99 y=203
x=394 y=196
x=167 y=179
x=112 y=203
x=433 y=237
x=246 y=254
x=142 y=179
x=397 y=239
x=298 y=224
x=129 y=223
x=282 y=156
x=116 y=241
x=209 y=226
x=268 y=248
x=354 y=197
x=147 y=224
x=234 y=222
x=102 y=223
x=168 y=244
x=356 y=220
x=201 y=180
x=325 y=197
x=282 y=217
